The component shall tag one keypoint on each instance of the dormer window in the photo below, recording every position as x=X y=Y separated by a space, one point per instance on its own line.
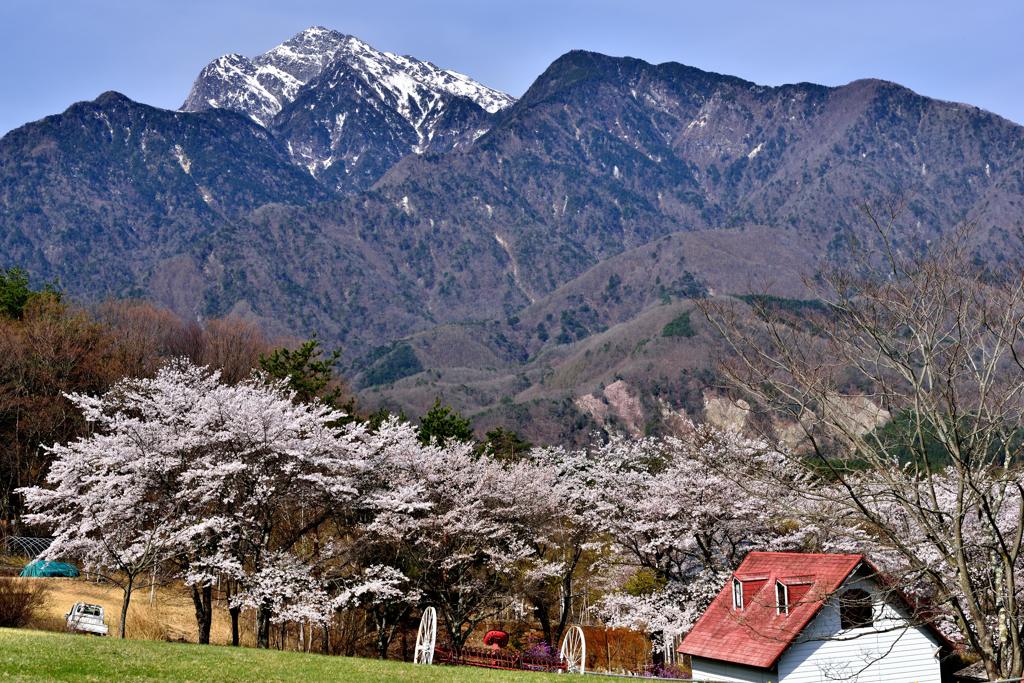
x=737 y=594
x=781 y=598
x=745 y=588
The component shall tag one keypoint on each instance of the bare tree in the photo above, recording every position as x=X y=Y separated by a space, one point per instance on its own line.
x=53 y=349
x=234 y=346
x=935 y=340
x=144 y=336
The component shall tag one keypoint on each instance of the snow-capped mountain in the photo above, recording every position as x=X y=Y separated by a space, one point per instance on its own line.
x=262 y=86
x=344 y=108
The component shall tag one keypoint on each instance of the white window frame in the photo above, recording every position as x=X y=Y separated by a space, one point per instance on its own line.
x=781 y=607
x=737 y=593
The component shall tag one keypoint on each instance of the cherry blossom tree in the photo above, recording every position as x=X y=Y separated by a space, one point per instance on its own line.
x=846 y=523
x=103 y=500
x=101 y=514
x=229 y=477
x=272 y=472
x=688 y=509
x=570 y=534
x=474 y=532
x=380 y=556
x=386 y=595
x=286 y=589
x=456 y=519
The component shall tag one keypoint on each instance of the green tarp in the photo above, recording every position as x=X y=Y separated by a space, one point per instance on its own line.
x=44 y=568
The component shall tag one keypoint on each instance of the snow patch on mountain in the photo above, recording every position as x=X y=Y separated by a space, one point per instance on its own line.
x=183 y=160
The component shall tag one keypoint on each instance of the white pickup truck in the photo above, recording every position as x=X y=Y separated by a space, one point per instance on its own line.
x=86 y=618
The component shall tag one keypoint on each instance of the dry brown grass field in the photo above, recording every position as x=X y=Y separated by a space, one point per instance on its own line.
x=164 y=613
x=168 y=616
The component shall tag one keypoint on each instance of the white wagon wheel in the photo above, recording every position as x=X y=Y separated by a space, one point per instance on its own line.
x=426 y=637
x=574 y=650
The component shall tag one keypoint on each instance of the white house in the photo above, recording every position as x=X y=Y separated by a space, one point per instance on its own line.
x=810 y=618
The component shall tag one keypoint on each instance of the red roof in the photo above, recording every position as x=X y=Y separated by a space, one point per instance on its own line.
x=757 y=635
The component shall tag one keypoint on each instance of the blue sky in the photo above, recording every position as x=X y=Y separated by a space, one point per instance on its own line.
x=56 y=52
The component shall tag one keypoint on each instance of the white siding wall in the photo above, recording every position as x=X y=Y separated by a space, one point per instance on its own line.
x=711 y=670
x=889 y=652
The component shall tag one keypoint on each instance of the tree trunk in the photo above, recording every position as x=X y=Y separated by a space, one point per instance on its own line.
x=124 y=606
x=657 y=654
x=565 y=609
x=459 y=636
x=263 y=627
x=383 y=641
x=543 y=617
x=607 y=650
x=566 y=606
x=234 y=612
x=231 y=589
x=453 y=635
x=202 y=598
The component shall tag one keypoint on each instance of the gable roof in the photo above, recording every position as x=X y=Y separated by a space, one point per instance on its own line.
x=757 y=635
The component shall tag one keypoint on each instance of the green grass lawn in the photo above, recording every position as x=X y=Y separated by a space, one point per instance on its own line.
x=44 y=656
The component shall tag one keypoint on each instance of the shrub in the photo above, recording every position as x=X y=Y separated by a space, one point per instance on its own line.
x=778 y=304
x=538 y=647
x=397 y=363
x=680 y=327
x=20 y=599
x=673 y=671
x=644 y=582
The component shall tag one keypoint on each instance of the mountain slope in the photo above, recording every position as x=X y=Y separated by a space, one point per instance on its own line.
x=534 y=371
x=609 y=156
x=603 y=155
x=348 y=132
x=113 y=197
